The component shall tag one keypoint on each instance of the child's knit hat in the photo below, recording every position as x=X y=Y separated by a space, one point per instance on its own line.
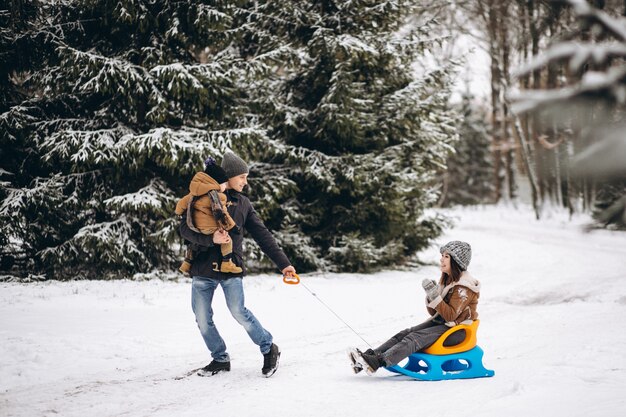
x=461 y=252
x=234 y=165
x=215 y=171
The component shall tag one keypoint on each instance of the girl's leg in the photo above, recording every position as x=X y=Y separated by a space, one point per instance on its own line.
x=397 y=338
x=413 y=342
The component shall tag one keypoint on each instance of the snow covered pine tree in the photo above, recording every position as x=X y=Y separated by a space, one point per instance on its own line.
x=356 y=136
x=114 y=105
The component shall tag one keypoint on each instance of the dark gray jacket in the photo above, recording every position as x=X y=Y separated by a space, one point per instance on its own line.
x=209 y=257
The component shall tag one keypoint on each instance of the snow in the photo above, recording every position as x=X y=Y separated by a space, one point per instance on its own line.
x=551 y=307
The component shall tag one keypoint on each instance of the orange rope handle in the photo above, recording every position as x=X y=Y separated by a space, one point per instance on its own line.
x=291 y=279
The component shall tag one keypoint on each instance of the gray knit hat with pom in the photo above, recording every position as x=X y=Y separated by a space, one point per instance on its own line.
x=461 y=252
x=234 y=165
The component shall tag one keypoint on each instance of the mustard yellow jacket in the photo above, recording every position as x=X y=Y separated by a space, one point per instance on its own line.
x=203 y=218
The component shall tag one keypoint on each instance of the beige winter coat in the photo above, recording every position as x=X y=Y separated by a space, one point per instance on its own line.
x=456 y=302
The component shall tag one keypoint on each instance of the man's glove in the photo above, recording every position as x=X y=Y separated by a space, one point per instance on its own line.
x=431 y=289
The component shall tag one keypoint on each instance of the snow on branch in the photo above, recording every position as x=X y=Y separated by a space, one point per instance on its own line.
x=210 y=16
x=614 y=26
x=181 y=150
x=108 y=243
x=313 y=163
x=593 y=83
x=14 y=120
x=577 y=53
x=354 y=46
x=103 y=74
x=84 y=148
x=410 y=98
x=154 y=198
x=178 y=73
x=608 y=84
x=18 y=199
x=94 y=73
x=345 y=44
x=278 y=56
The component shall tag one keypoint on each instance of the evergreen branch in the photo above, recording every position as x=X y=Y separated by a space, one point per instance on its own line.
x=179 y=150
x=577 y=53
x=250 y=13
x=155 y=198
x=593 y=84
x=108 y=243
x=18 y=199
x=83 y=147
x=583 y=10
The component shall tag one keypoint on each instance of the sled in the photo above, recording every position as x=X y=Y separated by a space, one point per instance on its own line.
x=439 y=362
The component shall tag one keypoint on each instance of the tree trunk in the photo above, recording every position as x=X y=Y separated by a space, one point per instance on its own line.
x=527 y=162
x=570 y=189
x=524 y=82
x=552 y=134
x=506 y=134
x=496 y=82
x=535 y=122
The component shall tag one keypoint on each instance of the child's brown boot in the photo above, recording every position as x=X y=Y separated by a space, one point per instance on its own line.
x=229 y=267
x=185 y=267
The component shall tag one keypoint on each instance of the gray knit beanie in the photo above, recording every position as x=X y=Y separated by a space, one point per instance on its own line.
x=461 y=252
x=234 y=165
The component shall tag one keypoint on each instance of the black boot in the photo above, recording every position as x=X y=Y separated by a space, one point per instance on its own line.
x=213 y=368
x=353 y=355
x=270 y=361
x=370 y=361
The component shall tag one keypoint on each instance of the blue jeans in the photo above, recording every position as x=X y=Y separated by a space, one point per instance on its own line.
x=202 y=290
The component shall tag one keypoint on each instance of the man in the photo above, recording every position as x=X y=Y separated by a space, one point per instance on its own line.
x=207 y=276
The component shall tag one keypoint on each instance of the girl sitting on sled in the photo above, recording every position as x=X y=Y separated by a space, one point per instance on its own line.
x=451 y=302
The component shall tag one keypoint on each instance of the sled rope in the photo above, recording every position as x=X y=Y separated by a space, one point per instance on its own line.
x=332 y=311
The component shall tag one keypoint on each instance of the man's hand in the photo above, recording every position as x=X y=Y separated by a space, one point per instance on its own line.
x=220 y=237
x=290 y=271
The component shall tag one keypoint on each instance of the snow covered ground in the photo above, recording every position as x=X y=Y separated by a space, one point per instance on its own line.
x=552 y=327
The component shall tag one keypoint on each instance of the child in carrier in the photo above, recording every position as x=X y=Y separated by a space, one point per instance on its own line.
x=206 y=212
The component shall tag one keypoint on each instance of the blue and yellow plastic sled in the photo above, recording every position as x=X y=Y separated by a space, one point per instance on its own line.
x=439 y=362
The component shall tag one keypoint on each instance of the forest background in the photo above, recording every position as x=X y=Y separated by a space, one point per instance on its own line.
x=356 y=119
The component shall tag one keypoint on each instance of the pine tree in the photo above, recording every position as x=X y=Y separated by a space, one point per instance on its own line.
x=357 y=133
x=121 y=109
x=117 y=103
x=22 y=51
